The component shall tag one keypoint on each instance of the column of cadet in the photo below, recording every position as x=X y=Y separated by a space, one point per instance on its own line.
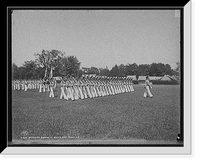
x=78 y=88
x=83 y=88
x=25 y=85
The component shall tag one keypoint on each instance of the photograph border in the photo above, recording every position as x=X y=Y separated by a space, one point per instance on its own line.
x=182 y=105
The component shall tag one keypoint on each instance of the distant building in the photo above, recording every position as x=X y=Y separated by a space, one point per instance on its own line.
x=155 y=77
x=141 y=79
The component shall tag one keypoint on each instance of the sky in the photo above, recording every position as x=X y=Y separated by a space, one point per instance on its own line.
x=98 y=38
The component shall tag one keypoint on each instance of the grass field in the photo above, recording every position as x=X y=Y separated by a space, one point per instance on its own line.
x=126 y=116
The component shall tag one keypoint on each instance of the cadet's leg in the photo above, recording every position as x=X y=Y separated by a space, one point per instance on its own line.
x=149 y=92
x=145 y=92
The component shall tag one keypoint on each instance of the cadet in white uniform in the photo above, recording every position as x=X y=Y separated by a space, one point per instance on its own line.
x=148 y=86
x=51 y=85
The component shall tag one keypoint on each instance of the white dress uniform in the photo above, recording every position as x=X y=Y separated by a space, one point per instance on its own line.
x=69 y=90
x=88 y=89
x=85 y=94
x=62 y=94
x=80 y=90
x=40 y=86
x=25 y=85
x=51 y=94
x=147 y=91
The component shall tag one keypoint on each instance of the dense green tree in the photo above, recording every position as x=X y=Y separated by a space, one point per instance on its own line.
x=15 y=71
x=104 y=71
x=114 y=71
x=49 y=60
x=160 y=69
x=29 y=68
x=94 y=70
x=131 y=69
x=143 y=70
x=122 y=70
x=69 y=66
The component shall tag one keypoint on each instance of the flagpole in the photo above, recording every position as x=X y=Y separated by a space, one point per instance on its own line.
x=51 y=73
x=45 y=75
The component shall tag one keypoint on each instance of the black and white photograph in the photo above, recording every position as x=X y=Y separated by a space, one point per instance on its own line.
x=97 y=77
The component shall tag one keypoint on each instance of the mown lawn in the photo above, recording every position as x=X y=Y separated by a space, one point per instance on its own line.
x=124 y=116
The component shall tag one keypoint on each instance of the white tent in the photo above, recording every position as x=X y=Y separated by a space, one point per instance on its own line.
x=142 y=78
x=166 y=78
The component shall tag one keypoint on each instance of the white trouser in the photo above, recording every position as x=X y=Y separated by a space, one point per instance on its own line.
x=40 y=88
x=51 y=92
x=62 y=94
x=25 y=87
x=147 y=92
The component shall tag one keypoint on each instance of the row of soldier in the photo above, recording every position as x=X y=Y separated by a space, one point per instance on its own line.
x=25 y=85
x=81 y=88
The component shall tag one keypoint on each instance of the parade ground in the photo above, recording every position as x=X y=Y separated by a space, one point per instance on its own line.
x=128 y=116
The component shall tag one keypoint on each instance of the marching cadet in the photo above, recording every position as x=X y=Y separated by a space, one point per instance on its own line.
x=131 y=85
x=69 y=90
x=80 y=89
x=93 y=88
x=22 y=84
x=148 y=86
x=88 y=88
x=96 y=87
x=105 y=86
x=40 y=85
x=35 y=84
x=18 y=85
x=74 y=89
x=25 y=85
x=111 y=85
x=83 y=85
x=44 y=85
x=51 y=85
x=28 y=84
x=101 y=90
x=14 y=85
x=63 y=95
x=66 y=90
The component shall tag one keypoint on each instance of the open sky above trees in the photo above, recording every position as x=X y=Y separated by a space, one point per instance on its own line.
x=98 y=38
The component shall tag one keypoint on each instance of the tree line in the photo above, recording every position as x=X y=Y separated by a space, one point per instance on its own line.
x=54 y=61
